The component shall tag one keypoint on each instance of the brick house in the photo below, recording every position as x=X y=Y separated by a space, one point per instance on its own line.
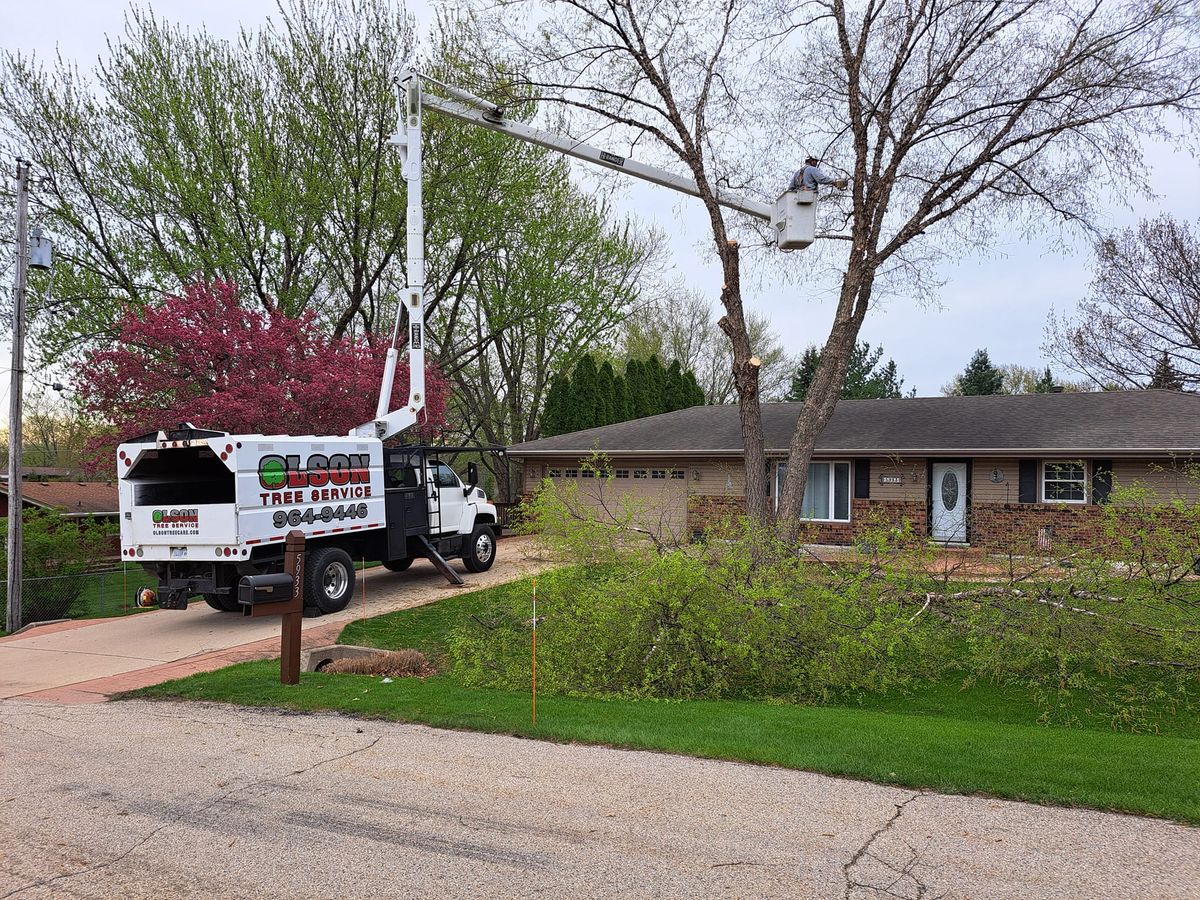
x=979 y=470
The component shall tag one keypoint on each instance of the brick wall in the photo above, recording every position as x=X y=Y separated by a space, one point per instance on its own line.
x=1020 y=524
x=707 y=510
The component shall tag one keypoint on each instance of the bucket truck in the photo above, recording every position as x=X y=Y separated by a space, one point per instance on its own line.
x=201 y=508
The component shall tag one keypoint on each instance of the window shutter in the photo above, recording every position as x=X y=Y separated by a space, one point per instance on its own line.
x=862 y=479
x=1027 y=491
x=1102 y=480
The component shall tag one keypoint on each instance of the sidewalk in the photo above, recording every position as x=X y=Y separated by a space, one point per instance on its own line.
x=88 y=661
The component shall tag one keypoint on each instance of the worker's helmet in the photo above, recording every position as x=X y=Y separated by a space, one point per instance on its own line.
x=812 y=160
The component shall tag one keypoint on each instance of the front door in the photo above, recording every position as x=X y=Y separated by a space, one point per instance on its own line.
x=949 y=502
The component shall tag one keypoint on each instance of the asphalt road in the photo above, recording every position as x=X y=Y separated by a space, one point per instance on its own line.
x=131 y=799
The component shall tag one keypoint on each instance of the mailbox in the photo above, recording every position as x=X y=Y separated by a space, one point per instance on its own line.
x=255 y=590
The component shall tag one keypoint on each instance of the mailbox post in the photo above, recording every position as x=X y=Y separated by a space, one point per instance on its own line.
x=280 y=595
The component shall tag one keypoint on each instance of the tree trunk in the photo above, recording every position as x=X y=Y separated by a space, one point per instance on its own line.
x=745 y=379
x=821 y=400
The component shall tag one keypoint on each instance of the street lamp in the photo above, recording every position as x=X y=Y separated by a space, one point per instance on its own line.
x=32 y=252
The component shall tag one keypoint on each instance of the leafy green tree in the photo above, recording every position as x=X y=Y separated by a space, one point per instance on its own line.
x=866 y=379
x=656 y=386
x=1045 y=384
x=56 y=547
x=980 y=377
x=1165 y=376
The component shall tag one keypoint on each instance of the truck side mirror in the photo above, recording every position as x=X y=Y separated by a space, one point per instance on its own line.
x=472 y=478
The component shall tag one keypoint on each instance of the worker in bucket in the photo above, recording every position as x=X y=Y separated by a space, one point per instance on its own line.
x=809 y=175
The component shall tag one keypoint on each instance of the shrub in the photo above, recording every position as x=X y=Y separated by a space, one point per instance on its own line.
x=57 y=548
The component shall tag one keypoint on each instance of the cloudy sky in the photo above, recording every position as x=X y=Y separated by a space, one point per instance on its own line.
x=997 y=300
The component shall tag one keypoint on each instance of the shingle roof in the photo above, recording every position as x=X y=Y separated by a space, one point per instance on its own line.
x=1103 y=422
x=72 y=497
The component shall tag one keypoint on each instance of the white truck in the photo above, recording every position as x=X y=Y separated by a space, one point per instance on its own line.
x=200 y=509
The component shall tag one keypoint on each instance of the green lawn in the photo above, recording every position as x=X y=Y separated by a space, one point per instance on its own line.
x=983 y=739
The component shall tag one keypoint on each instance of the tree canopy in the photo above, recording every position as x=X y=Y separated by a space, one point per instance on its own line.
x=1143 y=307
x=867 y=378
x=203 y=357
x=980 y=377
x=595 y=394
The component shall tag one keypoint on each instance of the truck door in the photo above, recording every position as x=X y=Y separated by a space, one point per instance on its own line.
x=446 y=500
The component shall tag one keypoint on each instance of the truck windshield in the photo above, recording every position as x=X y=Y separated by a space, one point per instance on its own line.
x=180 y=476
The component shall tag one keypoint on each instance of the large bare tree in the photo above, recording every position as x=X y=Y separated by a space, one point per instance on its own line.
x=1144 y=303
x=665 y=78
x=952 y=120
x=956 y=121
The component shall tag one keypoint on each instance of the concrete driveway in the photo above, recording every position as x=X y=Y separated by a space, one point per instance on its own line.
x=136 y=799
x=89 y=660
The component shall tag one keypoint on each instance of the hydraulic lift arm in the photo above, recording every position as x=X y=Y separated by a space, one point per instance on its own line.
x=792 y=217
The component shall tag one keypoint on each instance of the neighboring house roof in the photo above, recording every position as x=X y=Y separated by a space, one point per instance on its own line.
x=74 y=498
x=1109 y=422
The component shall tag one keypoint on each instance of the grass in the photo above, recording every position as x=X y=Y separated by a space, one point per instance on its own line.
x=979 y=739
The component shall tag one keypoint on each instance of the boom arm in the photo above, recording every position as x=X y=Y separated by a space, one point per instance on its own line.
x=793 y=218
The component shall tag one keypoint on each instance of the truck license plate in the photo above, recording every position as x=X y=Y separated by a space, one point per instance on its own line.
x=179 y=553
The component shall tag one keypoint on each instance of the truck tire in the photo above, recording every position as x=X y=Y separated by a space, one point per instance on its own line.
x=479 y=551
x=223 y=602
x=398 y=565
x=329 y=579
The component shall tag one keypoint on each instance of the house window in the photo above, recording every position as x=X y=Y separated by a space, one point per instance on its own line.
x=640 y=473
x=555 y=473
x=658 y=473
x=826 y=494
x=622 y=473
x=1064 y=482
x=677 y=474
x=571 y=473
x=587 y=473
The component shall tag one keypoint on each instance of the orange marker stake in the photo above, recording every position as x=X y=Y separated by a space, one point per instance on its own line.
x=535 y=651
x=364 y=581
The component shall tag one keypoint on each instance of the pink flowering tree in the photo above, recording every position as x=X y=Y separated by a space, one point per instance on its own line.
x=205 y=358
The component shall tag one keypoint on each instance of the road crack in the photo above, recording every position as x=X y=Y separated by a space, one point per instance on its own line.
x=905 y=883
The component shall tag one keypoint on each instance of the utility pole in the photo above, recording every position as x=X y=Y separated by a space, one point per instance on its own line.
x=15 y=389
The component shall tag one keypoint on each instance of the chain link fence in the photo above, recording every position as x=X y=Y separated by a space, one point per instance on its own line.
x=86 y=595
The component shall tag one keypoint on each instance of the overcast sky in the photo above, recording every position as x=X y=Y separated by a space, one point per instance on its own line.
x=999 y=300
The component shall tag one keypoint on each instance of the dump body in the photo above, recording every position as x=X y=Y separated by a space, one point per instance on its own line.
x=195 y=499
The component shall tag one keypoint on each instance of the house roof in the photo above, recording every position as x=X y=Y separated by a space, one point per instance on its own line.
x=80 y=498
x=1111 y=422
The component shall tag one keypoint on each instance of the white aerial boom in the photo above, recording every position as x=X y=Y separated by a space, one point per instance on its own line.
x=792 y=217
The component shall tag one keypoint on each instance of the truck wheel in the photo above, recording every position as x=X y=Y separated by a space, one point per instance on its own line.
x=329 y=580
x=222 y=602
x=398 y=565
x=479 y=551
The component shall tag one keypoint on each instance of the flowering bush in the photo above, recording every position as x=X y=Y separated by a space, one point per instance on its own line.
x=205 y=358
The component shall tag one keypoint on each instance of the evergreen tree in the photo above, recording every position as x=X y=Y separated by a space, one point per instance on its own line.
x=637 y=380
x=1165 y=377
x=585 y=395
x=605 y=387
x=865 y=378
x=693 y=392
x=673 y=393
x=554 y=414
x=620 y=405
x=656 y=386
x=980 y=377
x=1045 y=384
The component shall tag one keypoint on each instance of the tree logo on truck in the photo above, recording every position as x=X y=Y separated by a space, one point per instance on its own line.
x=336 y=470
